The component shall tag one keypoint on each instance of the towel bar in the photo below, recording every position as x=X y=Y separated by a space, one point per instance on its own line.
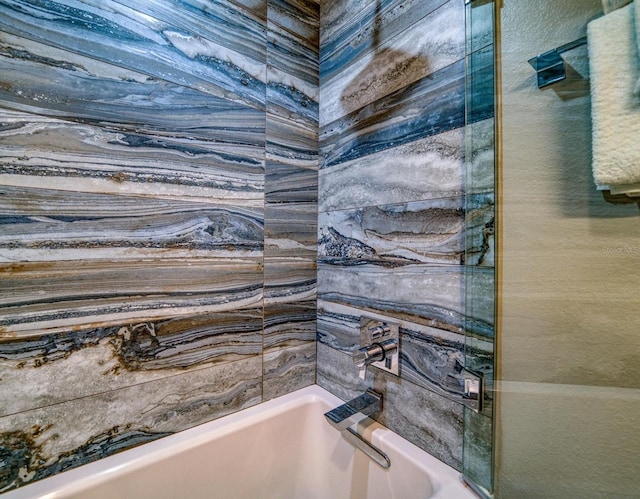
x=550 y=66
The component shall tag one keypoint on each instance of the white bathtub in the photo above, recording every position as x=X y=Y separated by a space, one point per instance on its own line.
x=281 y=449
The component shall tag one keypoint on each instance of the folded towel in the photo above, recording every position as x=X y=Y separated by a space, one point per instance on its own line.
x=631 y=190
x=615 y=110
x=611 y=5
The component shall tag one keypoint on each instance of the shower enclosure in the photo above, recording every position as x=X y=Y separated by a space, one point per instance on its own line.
x=566 y=398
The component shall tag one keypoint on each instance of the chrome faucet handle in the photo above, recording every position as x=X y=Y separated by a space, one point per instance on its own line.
x=379 y=331
x=375 y=352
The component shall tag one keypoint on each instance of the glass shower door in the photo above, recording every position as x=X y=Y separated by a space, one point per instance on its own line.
x=480 y=242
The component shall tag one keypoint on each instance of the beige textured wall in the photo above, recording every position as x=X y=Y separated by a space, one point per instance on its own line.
x=570 y=271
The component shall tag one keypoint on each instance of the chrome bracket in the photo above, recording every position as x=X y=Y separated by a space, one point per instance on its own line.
x=473 y=389
x=550 y=66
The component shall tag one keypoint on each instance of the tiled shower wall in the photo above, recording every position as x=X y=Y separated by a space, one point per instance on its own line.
x=392 y=239
x=158 y=190
x=159 y=186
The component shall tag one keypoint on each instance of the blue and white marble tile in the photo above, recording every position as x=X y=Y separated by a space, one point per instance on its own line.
x=158 y=47
x=425 y=42
x=480 y=229
x=292 y=61
x=45 y=441
x=299 y=17
x=289 y=280
x=58 y=296
x=292 y=50
x=394 y=235
x=435 y=295
x=289 y=324
x=292 y=99
x=291 y=230
x=57 y=367
x=50 y=81
x=478 y=444
x=480 y=289
x=350 y=28
x=286 y=183
x=480 y=18
x=430 y=106
x=288 y=369
x=424 y=169
x=78 y=157
x=481 y=94
x=480 y=157
x=132 y=160
x=48 y=225
x=292 y=159
x=292 y=139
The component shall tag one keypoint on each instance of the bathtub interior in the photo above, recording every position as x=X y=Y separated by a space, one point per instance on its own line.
x=280 y=449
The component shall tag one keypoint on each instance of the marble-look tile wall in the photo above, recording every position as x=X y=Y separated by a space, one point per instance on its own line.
x=158 y=204
x=291 y=197
x=397 y=229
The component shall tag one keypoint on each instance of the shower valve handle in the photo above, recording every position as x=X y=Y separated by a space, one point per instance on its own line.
x=375 y=352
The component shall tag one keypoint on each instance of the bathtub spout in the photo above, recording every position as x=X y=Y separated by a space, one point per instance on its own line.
x=355 y=410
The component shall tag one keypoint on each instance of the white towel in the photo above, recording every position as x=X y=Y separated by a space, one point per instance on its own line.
x=615 y=110
x=632 y=190
x=611 y=5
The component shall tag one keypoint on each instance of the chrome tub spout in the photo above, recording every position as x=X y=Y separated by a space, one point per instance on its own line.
x=349 y=414
x=355 y=410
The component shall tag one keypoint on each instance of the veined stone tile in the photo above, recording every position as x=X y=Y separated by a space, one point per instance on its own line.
x=286 y=101
x=353 y=78
x=108 y=161
x=429 y=357
x=430 y=421
x=425 y=169
x=480 y=229
x=434 y=294
x=235 y=27
x=292 y=126
x=430 y=106
x=51 y=82
x=54 y=368
x=480 y=303
x=291 y=230
x=426 y=419
x=478 y=444
x=289 y=324
x=57 y=296
x=48 y=225
x=292 y=58
x=481 y=95
x=286 y=183
x=289 y=369
x=154 y=47
x=480 y=25
x=289 y=280
x=362 y=24
x=480 y=156
x=393 y=235
x=300 y=17
x=46 y=441
x=292 y=142
x=339 y=324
